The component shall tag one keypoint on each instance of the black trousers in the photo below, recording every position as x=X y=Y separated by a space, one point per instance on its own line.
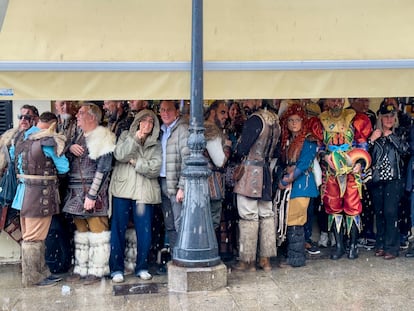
x=59 y=244
x=386 y=195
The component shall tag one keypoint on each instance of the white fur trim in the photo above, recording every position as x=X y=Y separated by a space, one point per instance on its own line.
x=100 y=141
x=50 y=132
x=81 y=253
x=99 y=253
x=81 y=237
x=130 y=250
x=5 y=142
x=131 y=236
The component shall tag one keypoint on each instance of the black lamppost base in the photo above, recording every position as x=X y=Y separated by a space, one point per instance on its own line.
x=197 y=243
x=196 y=263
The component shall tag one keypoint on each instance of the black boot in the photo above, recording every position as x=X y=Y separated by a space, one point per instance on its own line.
x=224 y=254
x=353 y=248
x=339 y=247
x=296 y=246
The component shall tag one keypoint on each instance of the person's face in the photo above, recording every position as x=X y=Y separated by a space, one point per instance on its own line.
x=234 y=111
x=84 y=118
x=168 y=112
x=220 y=115
x=63 y=107
x=109 y=106
x=249 y=106
x=388 y=121
x=58 y=106
x=335 y=104
x=26 y=119
x=146 y=125
x=294 y=123
x=360 y=105
x=137 y=105
x=119 y=108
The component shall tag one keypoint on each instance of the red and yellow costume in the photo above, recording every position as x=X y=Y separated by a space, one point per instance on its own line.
x=344 y=140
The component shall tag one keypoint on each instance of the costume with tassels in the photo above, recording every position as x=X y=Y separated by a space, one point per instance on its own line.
x=344 y=144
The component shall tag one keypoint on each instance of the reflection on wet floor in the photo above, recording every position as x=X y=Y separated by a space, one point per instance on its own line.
x=367 y=283
x=135 y=289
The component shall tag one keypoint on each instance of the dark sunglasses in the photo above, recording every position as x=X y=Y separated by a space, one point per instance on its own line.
x=26 y=117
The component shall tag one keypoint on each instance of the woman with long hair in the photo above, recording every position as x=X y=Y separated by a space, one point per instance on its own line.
x=386 y=149
x=297 y=185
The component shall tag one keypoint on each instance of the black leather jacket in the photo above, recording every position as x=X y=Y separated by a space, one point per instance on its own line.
x=391 y=146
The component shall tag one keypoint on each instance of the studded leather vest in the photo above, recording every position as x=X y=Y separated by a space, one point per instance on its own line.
x=41 y=196
x=256 y=163
x=264 y=147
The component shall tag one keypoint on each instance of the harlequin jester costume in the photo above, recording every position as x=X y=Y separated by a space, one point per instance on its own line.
x=344 y=143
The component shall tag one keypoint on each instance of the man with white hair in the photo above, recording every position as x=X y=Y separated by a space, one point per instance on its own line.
x=87 y=199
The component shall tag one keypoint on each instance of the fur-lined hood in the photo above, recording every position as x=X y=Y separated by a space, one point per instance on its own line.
x=151 y=139
x=100 y=141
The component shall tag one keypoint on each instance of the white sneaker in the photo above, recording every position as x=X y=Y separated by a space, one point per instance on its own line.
x=144 y=275
x=323 y=239
x=411 y=235
x=118 y=278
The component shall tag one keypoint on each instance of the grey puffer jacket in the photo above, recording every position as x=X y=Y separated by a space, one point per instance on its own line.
x=139 y=182
x=177 y=153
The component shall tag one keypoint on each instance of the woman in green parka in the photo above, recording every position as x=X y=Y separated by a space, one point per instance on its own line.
x=135 y=190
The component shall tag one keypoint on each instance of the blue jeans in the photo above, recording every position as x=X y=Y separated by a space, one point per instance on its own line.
x=122 y=210
x=412 y=209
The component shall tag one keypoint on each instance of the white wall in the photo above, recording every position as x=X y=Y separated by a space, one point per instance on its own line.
x=9 y=249
x=41 y=105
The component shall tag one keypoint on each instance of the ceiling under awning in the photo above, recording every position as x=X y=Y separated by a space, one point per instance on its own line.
x=125 y=49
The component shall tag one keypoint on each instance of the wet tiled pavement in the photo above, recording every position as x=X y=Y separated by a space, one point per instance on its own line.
x=367 y=283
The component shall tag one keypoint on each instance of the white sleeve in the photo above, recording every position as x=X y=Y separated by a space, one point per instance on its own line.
x=216 y=152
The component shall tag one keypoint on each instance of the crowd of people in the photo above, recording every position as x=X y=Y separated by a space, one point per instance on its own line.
x=99 y=186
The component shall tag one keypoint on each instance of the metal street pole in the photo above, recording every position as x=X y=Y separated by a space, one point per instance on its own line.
x=197 y=244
